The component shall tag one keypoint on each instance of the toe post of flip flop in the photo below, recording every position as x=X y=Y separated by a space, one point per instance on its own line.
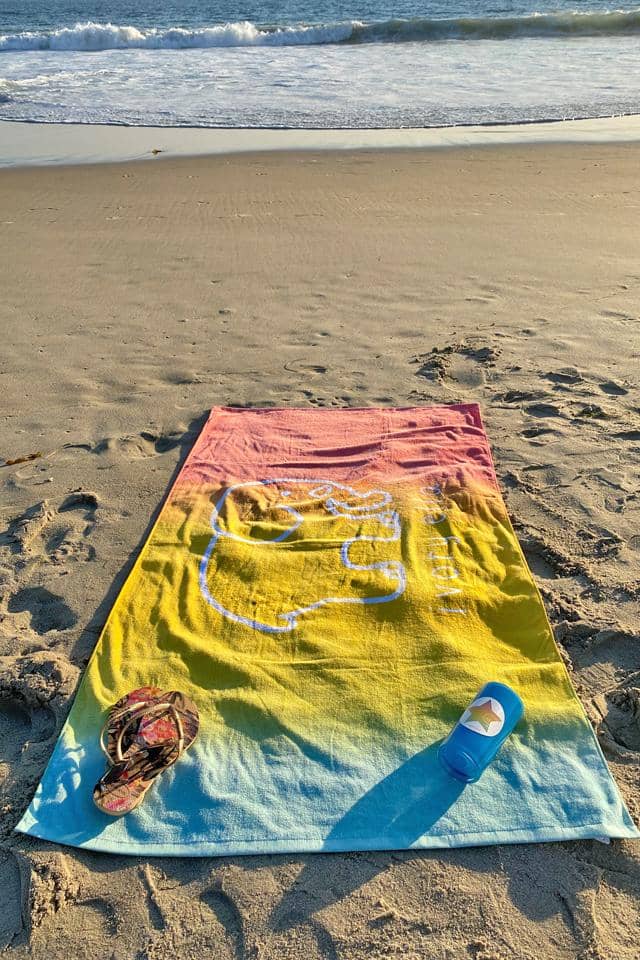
x=144 y=734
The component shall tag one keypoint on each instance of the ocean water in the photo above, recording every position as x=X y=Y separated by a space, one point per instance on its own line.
x=316 y=63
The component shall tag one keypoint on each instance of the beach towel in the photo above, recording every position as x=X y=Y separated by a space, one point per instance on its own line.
x=331 y=588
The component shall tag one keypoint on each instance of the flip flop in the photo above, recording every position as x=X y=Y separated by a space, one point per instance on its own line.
x=146 y=732
x=120 y=737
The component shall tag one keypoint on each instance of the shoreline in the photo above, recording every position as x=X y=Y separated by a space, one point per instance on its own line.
x=24 y=143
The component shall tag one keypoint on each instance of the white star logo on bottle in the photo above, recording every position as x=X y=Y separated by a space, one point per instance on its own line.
x=484 y=716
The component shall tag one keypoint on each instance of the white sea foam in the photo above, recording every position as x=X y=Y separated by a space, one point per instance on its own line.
x=97 y=36
x=107 y=36
x=346 y=84
x=6 y=88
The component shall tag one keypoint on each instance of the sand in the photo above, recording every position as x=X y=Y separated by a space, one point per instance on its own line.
x=136 y=296
x=23 y=143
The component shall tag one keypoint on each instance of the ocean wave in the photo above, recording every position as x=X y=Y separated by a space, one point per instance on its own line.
x=573 y=23
x=108 y=36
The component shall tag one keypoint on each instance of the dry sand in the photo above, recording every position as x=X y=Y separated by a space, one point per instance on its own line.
x=135 y=297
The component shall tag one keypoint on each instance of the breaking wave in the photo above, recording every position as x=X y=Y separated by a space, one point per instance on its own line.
x=108 y=36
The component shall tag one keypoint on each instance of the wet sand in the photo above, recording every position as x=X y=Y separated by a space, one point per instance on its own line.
x=24 y=143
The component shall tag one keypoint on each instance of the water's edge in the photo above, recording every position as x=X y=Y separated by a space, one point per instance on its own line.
x=41 y=144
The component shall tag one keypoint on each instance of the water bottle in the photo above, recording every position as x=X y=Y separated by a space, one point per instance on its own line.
x=480 y=732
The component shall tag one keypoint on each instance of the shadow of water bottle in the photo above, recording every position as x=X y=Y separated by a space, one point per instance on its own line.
x=402 y=807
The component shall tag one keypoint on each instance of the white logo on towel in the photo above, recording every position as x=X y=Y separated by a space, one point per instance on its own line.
x=249 y=507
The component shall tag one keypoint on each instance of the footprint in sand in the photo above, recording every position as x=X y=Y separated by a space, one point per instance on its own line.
x=591 y=411
x=545 y=559
x=55 y=534
x=228 y=915
x=97 y=918
x=566 y=375
x=538 y=563
x=541 y=436
x=613 y=389
x=619 y=727
x=465 y=363
x=46 y=611
x=37 y=686
x=511 y=397
x=139 y=446
x=20 y=725
x=609 y=646
x=543 y=410
x=11 y=925
x=464 y=371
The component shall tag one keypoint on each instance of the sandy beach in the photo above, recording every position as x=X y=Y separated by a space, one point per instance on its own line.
x=134 y=297
x=37 y=144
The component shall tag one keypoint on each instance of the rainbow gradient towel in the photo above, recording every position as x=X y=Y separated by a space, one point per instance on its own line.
x=331 y=587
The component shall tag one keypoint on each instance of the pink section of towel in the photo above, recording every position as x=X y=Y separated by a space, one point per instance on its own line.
x=241 y=444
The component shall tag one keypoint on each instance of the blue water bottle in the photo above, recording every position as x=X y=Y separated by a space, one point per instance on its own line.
x=480 y=732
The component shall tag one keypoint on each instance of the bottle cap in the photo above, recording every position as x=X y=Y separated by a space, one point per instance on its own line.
x=459 y=764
